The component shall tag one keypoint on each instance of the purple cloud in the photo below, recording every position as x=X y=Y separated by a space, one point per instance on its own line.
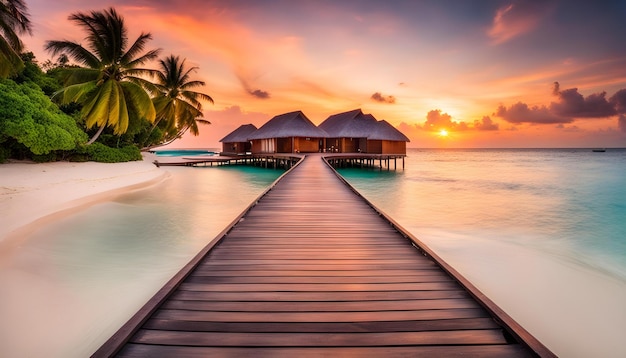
x=378 y=97
x=521 y=113
x=618 y=100
x=485 y=124
x=573 y=104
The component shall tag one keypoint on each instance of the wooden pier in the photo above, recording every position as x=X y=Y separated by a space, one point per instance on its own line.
x=312 y=269
x=273 y=160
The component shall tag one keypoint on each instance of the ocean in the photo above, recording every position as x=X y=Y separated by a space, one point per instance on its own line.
x=542 y=232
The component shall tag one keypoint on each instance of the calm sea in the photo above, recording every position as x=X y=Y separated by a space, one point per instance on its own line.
x=541 y=232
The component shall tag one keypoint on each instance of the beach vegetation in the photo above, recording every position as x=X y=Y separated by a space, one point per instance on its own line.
x=30 y=124
x=32 y=72
x=14 y=21
x=108 y=81
x=99 y=152
x=178 y=105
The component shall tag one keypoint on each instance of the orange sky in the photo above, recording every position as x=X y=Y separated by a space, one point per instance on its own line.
x=484 y=71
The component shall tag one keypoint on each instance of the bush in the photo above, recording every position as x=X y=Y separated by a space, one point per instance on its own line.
x=29 y=117
x=99 y=152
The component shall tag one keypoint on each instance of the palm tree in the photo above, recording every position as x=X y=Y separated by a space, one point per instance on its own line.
x=107 y=82
x=178 y=106
x=13 y=21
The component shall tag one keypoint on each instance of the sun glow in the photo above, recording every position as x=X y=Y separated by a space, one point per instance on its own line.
x=443 y=133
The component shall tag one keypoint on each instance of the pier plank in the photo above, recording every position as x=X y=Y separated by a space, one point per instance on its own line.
x=311 y=269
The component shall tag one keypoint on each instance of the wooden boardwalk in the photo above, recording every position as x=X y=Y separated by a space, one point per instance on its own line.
x=313 y=270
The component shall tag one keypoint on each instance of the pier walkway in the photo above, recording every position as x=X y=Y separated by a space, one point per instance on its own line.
x=313 y=270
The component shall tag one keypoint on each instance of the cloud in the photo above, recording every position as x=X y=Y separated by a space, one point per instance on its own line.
x=515 y=19
x=254 y=92
x=521 y=113
x=618 y=100
x=259 y=93
x=485 y=124
x=378 y=97
x=436 y=121
x=573 y=104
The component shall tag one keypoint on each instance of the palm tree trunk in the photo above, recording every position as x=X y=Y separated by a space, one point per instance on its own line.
x=95 y=136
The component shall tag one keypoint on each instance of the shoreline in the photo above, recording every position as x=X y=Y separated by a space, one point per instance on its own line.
x=33 y=194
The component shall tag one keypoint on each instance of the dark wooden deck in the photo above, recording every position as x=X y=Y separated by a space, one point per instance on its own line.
x=313 y=270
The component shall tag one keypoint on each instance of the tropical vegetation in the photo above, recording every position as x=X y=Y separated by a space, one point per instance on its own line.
x=178 y=107
x=100 y=88
x=107 y=84
x=13 y=22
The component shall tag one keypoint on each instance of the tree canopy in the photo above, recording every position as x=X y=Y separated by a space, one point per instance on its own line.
x=107 y=83
x=178 y=106
x=29 y=117
x=14 y=21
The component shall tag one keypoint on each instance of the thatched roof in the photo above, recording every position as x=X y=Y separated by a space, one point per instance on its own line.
x=293 y=124
x=352 y=124
x=385 y=131
x=356 y=124
x=240 y=134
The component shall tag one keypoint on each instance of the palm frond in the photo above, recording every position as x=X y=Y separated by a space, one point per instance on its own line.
x=139 y=99
x=75 y=93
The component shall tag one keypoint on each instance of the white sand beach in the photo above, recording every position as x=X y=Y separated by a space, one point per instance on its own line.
x=31 y=193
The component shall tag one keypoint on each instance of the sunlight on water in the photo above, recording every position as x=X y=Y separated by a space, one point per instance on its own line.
x=73 y=283
x=542 y=232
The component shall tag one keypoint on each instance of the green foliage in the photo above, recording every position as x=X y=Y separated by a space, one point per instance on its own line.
x=33 y=73
x=13 y=22
x=107 y=86
x=29 y=117
x=99 y=152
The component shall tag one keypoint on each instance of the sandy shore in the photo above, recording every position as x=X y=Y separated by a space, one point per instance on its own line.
x=32 y=193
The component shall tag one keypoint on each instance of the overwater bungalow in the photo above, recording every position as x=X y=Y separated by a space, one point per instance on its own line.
x=386 y=139
x=236 y=142
x=288 y=133
x=347 y=131
x=356 y=132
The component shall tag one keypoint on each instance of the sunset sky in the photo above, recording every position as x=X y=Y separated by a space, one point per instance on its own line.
x=493 y=73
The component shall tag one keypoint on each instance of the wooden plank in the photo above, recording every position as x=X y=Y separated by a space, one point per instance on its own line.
x=485 y=351
x=191 y=285
x=323 y=327
x=208 y=277
x=319 y=296
x=249 y=339
x=216 y=316
x=388 y=274
x=341 y=306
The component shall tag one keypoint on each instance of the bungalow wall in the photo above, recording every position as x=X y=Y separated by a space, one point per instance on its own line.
x=264 y=146
x=386 y=147
x=236 y=147
x=346 y=145
x=307 y=145
x=287 y=145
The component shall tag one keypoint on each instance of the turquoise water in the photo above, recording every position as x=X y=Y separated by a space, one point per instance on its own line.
x=73 y=283
x=541 y=232
x=570 y=203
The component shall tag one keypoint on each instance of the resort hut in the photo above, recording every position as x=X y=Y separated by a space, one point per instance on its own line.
x=386 y=139
x=348 y=131
x=288 y=133
x=356 y=132
x=237 y=141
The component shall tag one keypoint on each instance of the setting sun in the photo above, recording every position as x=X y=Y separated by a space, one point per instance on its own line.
x=443 y=133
